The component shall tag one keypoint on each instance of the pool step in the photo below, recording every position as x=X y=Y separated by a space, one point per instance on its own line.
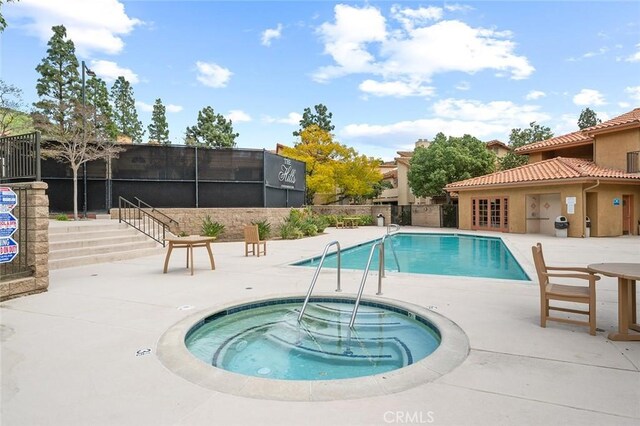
x=315 y=319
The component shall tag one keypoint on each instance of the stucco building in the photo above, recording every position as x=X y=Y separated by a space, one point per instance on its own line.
x=594 y=172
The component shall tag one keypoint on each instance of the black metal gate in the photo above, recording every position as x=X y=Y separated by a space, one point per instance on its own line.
x=449 y=215
x=401 y=215
x=20 y=158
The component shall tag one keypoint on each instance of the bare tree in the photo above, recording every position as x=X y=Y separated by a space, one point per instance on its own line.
x=81 y=144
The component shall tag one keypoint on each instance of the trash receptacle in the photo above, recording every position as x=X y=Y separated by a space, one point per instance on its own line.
x=587 y=229
x=561 y=224
x=380 y=220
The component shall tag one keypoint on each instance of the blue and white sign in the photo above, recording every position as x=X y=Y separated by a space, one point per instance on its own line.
x=8 y=199
x=8 y=225
x=8 y=250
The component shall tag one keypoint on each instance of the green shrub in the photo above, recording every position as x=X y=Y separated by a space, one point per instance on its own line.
x=62 y=217
x=264 y=229
x=309 y=228
x=289 y=231
x=210 y=228
x=365 y=219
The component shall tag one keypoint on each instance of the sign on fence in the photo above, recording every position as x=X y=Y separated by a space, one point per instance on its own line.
x=8 y=249
x=8 y=199
x=8 y=225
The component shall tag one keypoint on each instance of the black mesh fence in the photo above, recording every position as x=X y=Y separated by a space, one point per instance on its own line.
x=178 y=176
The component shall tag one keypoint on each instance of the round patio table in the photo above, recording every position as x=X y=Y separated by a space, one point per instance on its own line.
x=627 y=274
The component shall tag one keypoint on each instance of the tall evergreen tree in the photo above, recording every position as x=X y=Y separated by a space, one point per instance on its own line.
x=58 y=87
x=588 y=118
x=159 y=129
x=60 y=114
x=212 y=130
x=520 y=137
x=97 y=96
x=125 y=115
x=321 y=118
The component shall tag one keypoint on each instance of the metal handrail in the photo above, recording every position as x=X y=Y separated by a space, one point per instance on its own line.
x=317 y=273
x=364 y=277
x=141 y=220
x=395 y=226
x=153 y=209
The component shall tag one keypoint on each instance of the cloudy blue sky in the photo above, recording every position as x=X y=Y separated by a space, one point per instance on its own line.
x=391 y=72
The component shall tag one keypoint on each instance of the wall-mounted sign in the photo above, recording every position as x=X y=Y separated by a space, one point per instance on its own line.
x=616 y=201
x=571 y=205
x=282 y=172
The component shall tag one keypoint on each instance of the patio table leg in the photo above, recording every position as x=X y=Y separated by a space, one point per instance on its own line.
x=213 y=262
x=166 y=259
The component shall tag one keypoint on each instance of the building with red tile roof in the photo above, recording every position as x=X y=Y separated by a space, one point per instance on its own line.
x=594 y=172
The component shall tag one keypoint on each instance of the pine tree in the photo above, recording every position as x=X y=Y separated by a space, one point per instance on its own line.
x=159 y=129
x=58 y=87
x=125 y=115
x=321 y=118
x=98 y=99
x=588 y=118
x=212 y=130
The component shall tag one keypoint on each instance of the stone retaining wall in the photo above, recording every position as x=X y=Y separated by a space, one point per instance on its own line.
x=37 y=223
x=425 y=215
x=234 y=219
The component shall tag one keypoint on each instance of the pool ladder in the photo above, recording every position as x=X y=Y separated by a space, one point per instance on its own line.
x=391 y=229
x=317 y=273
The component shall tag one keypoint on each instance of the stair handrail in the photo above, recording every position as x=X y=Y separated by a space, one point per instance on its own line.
x=148 y=224
x=395 y=227
x=317 y=273
x=366 y=273
x=393 y=250
x=153 y=209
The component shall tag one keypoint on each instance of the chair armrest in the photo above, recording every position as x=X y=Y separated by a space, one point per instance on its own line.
x=589 y=277
x=569 y=268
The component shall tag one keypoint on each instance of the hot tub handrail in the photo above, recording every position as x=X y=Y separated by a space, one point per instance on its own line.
x=317 y=273
x=364 y=277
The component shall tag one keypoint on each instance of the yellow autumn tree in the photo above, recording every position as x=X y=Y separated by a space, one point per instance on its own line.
x=333 y=169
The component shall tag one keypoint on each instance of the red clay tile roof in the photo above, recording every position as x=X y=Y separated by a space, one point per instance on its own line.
x=555 y=169
x=405 y=153
x=571 y=139
x=629 y=119
x=496 y=142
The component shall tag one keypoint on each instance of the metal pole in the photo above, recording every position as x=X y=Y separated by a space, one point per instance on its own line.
x=84 y=141
x=196 y=172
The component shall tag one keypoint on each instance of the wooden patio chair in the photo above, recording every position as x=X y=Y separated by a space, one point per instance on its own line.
x=252 y=238
x=566 y=293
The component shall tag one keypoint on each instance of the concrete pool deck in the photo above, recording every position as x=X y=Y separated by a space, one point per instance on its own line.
x=84 y=353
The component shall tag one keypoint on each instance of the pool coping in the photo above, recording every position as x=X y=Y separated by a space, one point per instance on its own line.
x=452 y=351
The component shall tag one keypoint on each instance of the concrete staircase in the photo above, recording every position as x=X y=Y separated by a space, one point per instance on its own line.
x=96 y=241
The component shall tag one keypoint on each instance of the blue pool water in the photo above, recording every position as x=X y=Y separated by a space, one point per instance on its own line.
x=439 y=254
x=266 y=340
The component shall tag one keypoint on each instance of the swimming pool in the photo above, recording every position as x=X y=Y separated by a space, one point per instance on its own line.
x=266 y=340
x=439 y=254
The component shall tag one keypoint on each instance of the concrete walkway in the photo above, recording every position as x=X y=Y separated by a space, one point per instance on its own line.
x=84 y=352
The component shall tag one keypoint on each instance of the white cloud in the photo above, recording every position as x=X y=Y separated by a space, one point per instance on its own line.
x=346 y=39
x=455 y=117
x=238 y=116
x=361 y=41
x=624 y=104
x=635 y=57
x=109 y=71
x=213 y=75
x=271 y=34
x=457 y=8
x=398 y=89
x=535 y=94
x=174 y=108
x=589 y=97
x=633 y=92
x=293 y=119
x=463 y=86
x=145 y=107
x=409 y=18
x=94 y=26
